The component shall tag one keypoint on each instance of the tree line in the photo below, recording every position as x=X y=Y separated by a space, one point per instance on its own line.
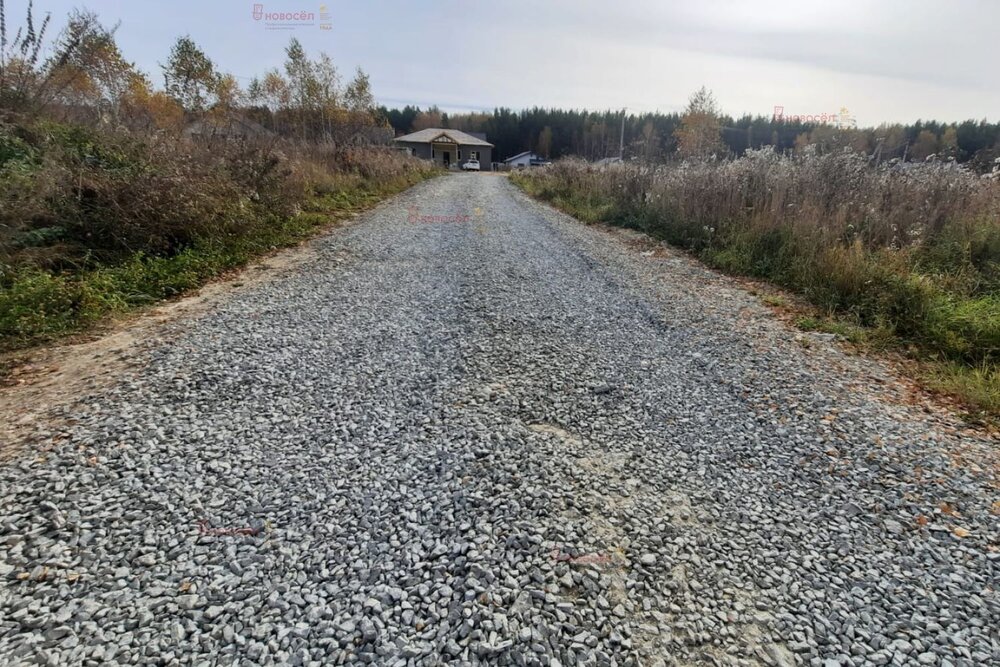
x=556 y=133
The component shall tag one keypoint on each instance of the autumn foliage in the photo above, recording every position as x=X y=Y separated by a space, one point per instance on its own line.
x=116 y=192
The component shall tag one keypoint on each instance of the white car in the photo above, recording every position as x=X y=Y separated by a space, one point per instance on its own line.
x=470 y=165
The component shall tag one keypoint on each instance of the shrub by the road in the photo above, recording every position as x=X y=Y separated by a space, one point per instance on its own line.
x=911 y=251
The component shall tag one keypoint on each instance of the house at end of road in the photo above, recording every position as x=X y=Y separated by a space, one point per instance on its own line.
x=448 y=148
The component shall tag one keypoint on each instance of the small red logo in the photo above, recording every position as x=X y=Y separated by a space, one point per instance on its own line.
x=258 y=12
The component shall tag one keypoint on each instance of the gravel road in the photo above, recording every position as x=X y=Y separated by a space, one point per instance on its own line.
x=471 y=430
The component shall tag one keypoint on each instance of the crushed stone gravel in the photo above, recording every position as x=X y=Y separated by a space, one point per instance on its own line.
x=497 y=437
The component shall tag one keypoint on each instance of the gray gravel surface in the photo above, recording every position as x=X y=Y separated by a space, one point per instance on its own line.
x=495 y=435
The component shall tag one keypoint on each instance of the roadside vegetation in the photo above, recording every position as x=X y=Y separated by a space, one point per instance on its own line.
x=115 y=194
x=902 y=253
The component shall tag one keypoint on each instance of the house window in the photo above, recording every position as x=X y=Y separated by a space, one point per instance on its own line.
x=474 y=155
x=433 y=153
x=459 y=153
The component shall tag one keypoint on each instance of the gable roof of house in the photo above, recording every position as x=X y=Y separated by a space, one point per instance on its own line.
x=514 y=157
x=432 y=133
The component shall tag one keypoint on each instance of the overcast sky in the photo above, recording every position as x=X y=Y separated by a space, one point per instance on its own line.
x=885 y=60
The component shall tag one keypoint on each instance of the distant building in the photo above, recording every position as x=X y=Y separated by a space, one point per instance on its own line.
x=448 y=148
x=525 y=159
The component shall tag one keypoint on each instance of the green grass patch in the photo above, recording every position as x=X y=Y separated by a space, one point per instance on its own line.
x=977 y=386
x=775 y=300
x=590 y=209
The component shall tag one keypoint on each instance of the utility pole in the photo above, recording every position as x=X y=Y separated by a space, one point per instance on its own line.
x=621 y=140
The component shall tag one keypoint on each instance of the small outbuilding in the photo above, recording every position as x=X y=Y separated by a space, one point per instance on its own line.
x=525 y=159
x=448 y=148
